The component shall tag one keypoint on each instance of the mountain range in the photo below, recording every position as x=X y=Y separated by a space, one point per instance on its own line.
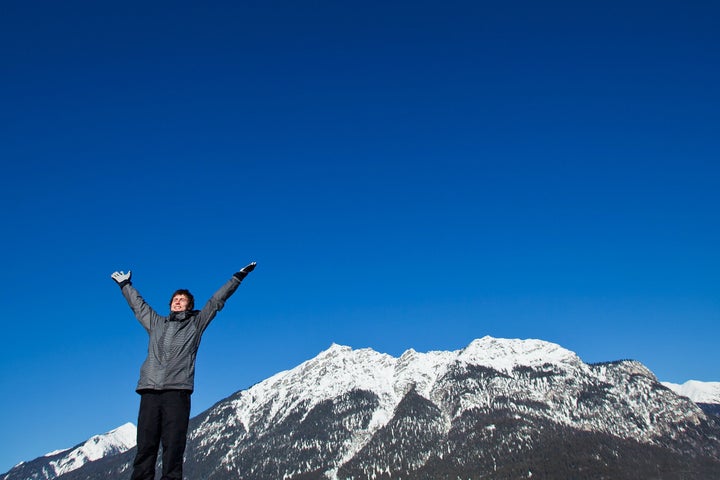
x=499 y=408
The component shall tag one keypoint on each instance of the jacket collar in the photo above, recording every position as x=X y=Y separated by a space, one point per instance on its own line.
x=180 y=316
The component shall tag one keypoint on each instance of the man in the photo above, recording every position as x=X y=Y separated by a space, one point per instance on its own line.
x=167 y=377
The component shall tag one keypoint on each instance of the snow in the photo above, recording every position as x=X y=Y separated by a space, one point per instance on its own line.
x=340 y=369
x=698 y=392
x=506 y=354
x=56 y=452
x=119 y=440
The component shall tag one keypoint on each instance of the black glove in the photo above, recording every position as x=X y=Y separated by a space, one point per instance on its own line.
x=244 y=271
x=122 y=278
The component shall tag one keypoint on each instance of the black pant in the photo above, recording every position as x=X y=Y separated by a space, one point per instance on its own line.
x=163 y=418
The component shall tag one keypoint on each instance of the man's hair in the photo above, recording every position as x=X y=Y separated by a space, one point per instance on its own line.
x=182 y=291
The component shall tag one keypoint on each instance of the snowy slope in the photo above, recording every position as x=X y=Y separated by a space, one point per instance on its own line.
x=59 y=462
x=698 y=392
x=98 y=446
x=341 y=370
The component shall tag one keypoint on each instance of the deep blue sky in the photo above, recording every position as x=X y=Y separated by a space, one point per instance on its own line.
x=406 y=174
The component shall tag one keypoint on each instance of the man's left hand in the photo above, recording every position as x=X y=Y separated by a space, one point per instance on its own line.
x=245 y=270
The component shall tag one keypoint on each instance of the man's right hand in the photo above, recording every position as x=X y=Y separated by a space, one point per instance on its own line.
x=121 y=277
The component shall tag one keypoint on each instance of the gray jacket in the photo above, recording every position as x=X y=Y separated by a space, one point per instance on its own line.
x=174 y=339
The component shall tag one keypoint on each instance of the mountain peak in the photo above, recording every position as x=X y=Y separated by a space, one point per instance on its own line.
x=60 y=462
x=335 y=348
x=115 y=441
x=699 y=392
x=505 y=354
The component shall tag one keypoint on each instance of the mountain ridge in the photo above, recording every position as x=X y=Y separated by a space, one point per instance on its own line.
x=698 y=392
x=59 y=462
x=493 y=407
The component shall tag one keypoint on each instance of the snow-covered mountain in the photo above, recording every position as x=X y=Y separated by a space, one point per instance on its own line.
x=59 y=462
x=705 y=394
x=698 y=392
x=499 y=408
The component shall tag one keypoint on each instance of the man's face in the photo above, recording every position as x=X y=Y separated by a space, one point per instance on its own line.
x=179 y=303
